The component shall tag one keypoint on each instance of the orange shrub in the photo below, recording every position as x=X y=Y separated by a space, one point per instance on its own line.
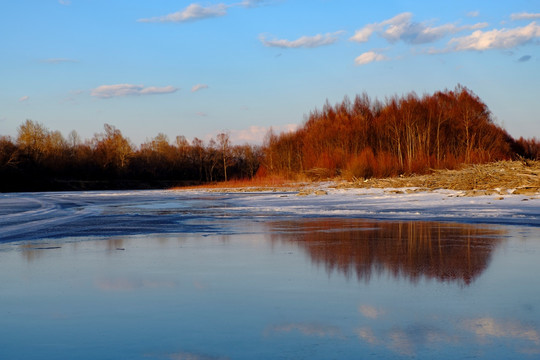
x=363 y=165
x=387 y=165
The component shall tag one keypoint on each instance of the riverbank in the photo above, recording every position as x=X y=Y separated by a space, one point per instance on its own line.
x=499 y=178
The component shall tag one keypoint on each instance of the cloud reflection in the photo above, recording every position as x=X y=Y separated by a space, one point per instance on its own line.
x=307 y=329
x=194 y=356
x=489 y=327
x=407 y=341
x=368 y=336
x=125 y=284
x=370 y=311
x=415 y=338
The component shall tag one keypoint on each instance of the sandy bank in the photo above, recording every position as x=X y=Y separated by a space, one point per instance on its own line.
x=500 y=178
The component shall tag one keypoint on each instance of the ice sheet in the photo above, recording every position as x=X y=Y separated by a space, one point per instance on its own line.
x=28 y=216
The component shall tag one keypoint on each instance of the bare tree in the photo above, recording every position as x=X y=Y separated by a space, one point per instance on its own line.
x=225 y=149
x=198 y=155
x=32 y=138
x=113 y=148
x=73 y=139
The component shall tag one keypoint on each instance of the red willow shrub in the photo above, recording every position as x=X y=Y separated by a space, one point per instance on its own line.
x=409 y=134
x=531 y=148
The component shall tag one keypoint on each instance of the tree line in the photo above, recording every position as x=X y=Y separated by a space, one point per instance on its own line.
x=40 y=159
x=408 y=134
x=354 y=139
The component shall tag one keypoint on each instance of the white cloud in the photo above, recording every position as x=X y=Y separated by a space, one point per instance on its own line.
x=251 y=3
x=392 y=24
x=190 y=13
x=368 y=57
x=496 y=39
x=304 y=41
x=473 y=13
x=154 y=90
x=525 y=16
x=24 y=98
x=109 y=91
x=402 y=28
x=199 y=87
x=64 y=2
x=364 y=33
x=197 y=12
x=253 y=134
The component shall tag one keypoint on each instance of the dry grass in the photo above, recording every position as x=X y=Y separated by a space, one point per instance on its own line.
x=270 y=183
x=503 y=177
x=519 y=177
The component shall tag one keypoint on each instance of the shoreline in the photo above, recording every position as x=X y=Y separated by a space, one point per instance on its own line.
x=500 y=178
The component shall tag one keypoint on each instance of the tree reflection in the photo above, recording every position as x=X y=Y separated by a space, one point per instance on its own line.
x=412 y=250
x=33 y=251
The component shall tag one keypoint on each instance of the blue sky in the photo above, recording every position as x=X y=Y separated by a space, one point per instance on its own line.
x=200 y=68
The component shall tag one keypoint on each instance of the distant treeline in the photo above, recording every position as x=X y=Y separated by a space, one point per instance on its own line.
x=360 y=138
x=409 y=134
x=42 y=160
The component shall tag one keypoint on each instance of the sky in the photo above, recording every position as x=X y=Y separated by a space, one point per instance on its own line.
x=243 y=66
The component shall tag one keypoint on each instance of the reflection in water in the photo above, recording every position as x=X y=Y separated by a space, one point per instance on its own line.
x=411 y=250
x=407 y=341
x=489 y=327
x=410 y=339
x=370 y=312
x=33 y=251
x=115 y=244
x=127 y=284
x=193 y=356
x=253 y=294
x=307 y=329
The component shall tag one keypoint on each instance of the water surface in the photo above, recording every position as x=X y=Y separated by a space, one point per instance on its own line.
x=296 y=288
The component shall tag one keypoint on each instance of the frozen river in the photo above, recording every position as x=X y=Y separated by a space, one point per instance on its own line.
x=196 y=275
x=27 y=216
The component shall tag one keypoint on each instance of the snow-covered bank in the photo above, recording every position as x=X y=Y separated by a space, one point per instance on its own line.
x=27 y=216
x=390 y=204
